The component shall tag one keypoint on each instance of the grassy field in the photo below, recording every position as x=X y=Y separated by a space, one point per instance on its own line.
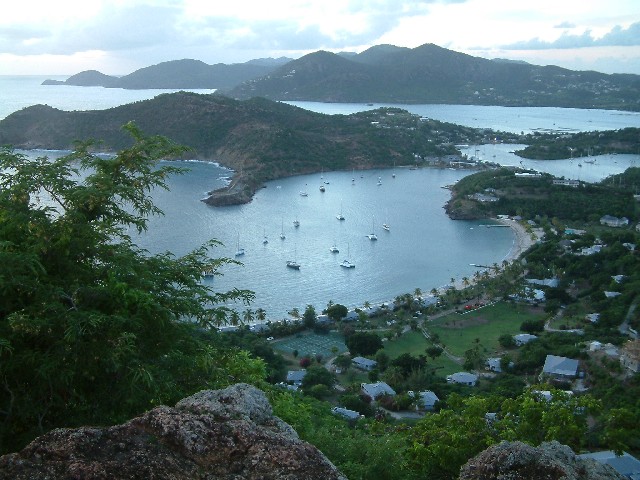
x=311 y=344
x=458 y=332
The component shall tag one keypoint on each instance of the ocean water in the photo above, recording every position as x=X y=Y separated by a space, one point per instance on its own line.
x=423 y=249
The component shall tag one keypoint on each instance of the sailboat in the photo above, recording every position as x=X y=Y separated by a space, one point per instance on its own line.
x=293 y=263
x=333 y=248
x=296 y=223
x=282 y=237
x=265 y=240
x=239 y=251
x=379 y=181
x=372 y=235
x=393 y=173
x=346 y=263
x=340 y=216
x=385 y=226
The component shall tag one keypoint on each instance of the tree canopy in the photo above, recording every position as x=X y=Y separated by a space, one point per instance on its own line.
x=94 y=329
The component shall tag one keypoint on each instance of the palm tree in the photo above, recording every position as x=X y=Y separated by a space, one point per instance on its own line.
x=261 y=314
x=417 y=293
x=248 y=315
x=367 y=305
x=295 y=313
x=235 y=318
x=465 y=281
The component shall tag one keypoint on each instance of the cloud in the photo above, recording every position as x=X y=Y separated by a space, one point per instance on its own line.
x=565 y=24
x=617 y=37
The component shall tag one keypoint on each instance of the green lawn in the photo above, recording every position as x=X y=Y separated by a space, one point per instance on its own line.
x=415 y=343
x=311 y=344
x=458 y=332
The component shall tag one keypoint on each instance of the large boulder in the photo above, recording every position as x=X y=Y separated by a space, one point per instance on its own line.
x=222 y=434
x=549 y=461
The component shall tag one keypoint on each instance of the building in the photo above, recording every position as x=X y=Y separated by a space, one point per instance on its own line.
x=495 y=364
x=523 y=338
x=463 y=378
x=560 y=367
x=425 y=400
x=566 y=183
x=375 y=390
x=611 y=221
x=364 y=363
x=294 y=377
x=625 y=464
x=346 y=413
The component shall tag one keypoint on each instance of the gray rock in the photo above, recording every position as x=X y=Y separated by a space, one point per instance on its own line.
x=222 y=434
x=519 y=461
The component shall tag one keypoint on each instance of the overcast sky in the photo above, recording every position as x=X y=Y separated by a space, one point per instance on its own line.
x=116 y=37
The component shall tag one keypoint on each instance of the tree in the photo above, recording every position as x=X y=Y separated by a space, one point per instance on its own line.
x=382 y=359
x=363 y=343
x=337 y=312
x=92 y=328
x=434 y=351
x=317 y=375
x=309 y=317
x=342 y=361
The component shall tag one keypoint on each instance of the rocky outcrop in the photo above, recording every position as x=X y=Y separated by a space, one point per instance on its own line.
x=222 y=434
x=549 y=461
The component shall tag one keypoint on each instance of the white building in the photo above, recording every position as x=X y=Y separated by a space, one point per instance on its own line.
x=463 y=378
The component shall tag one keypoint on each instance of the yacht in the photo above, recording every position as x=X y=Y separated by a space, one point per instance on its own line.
x=372 y=236
x=293 y=264
x=334 y=249
x=347 y=264
x=239 y=251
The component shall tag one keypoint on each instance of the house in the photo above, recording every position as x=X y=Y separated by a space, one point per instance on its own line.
x=494 y=364
x=566 y=183
x=375 y=390
x=364 y=363
x=547 y=395
x=463 y=378
x=425 y=400
x=544 y=282
x=523 y=338
x=611 y=221
x=295 y=377
x=346 y=413
x=611 y=294
x=592 y=317
x=560 y=367
x=630 y=355
x=625 y=464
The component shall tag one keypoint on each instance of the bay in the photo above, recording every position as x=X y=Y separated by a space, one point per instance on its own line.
x=423 y=249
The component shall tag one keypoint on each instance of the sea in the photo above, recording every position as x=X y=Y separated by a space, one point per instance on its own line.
x=423 y=249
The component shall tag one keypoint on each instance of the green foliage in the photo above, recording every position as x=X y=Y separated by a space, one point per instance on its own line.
x=363 y=343
x=92 y=328
x=337 y=312
x=309 y=317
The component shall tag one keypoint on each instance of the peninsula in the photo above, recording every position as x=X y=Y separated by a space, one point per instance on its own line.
x=259 y=139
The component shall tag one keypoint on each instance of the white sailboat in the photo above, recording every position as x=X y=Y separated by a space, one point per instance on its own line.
x=294 y=263
x=386 y=227
x=346 y=263
x=282 y=237
x=340 y=216
x=296 y=223
x=265 y=240
x=239 y=251
x=333 y=248
x=372 y=236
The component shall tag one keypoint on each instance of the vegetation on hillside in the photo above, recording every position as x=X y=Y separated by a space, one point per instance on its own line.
x=94 y=330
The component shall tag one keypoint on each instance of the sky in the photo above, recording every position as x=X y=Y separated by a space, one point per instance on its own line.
x=117 y=37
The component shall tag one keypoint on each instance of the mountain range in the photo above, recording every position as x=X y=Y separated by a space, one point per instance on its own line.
x=390 y=74
x=178 y=74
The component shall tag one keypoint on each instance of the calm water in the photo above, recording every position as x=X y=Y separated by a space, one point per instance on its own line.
x=424 y=249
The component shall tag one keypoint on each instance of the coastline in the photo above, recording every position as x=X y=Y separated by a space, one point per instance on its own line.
x=522 y=241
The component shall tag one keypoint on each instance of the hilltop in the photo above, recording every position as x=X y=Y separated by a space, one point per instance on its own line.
x=431 y=74
x=176 y=74
x=389 y=74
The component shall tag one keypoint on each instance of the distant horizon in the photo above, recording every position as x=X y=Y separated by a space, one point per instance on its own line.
x=345 y=53
x=39 y=36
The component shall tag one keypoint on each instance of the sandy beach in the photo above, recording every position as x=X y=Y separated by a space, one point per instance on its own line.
x=522 y=240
